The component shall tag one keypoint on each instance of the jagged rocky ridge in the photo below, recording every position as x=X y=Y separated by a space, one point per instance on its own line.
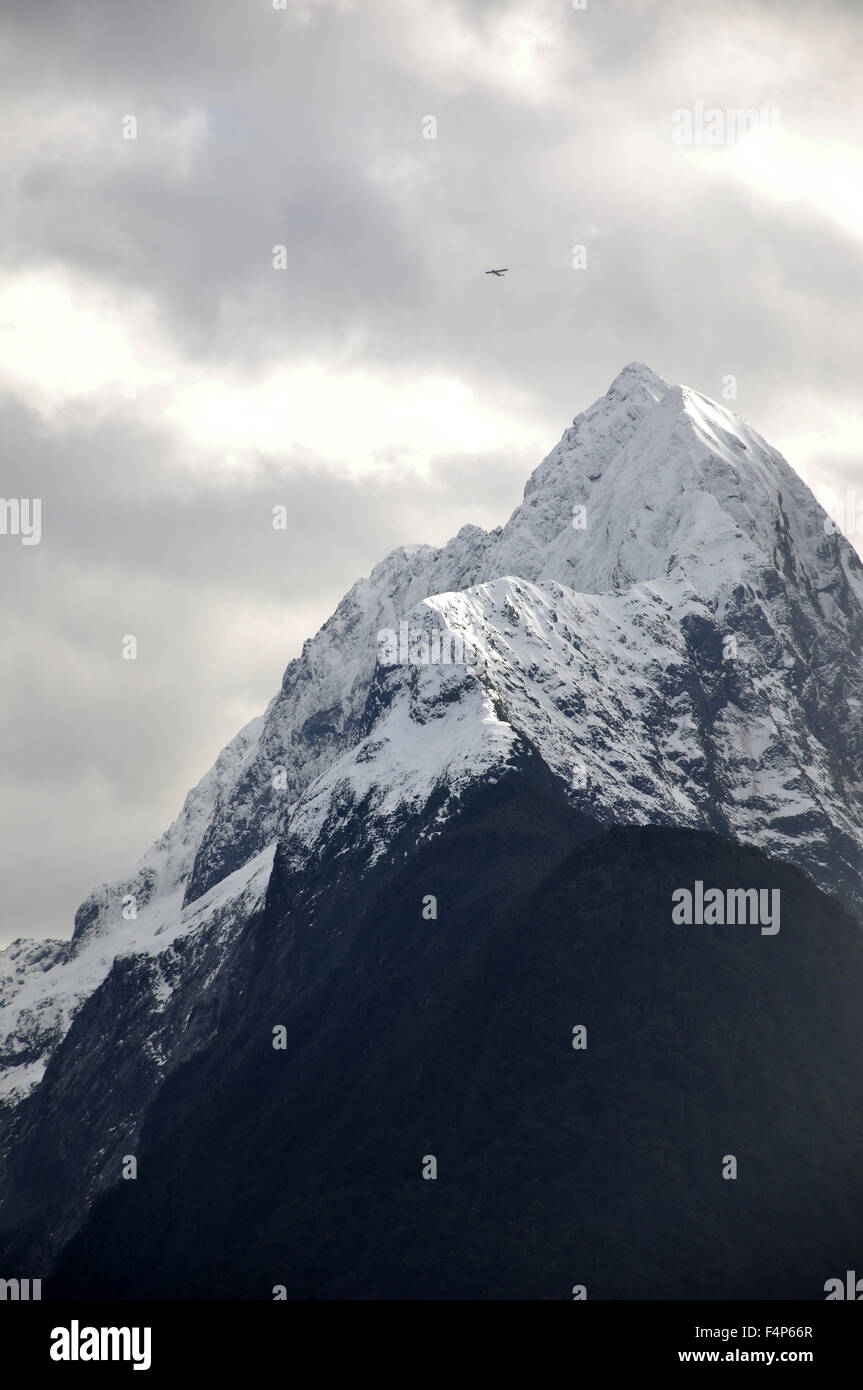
x=608 y=658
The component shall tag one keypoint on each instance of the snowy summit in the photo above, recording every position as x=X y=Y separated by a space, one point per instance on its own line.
x=666 y=622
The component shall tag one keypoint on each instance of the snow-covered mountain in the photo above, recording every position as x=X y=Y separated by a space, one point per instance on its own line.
x=665 y=622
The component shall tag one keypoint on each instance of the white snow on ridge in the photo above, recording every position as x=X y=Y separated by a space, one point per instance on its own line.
x=17 y=1082
x=398 y=768
x=165 y=867
x=600 y=683
x=45 y=1003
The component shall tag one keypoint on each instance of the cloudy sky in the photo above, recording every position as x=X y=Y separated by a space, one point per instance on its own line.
x=163 y=385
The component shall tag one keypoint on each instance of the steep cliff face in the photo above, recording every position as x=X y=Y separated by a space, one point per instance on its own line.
x=665 y=626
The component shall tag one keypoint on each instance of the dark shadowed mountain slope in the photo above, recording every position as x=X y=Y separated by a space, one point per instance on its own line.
x=452 y=1037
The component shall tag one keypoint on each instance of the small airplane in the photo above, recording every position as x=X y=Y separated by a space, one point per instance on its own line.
x=502 y=271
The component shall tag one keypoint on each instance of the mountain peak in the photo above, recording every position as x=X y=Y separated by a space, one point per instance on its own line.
x=637 y=378
x=665 y=610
